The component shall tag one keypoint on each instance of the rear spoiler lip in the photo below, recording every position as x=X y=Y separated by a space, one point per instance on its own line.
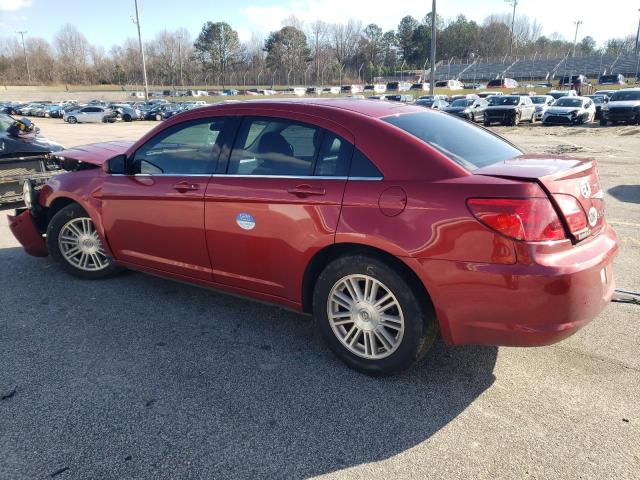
x=541 y=167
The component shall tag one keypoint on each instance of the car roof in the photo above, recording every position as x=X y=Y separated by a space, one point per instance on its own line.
x=359 y=106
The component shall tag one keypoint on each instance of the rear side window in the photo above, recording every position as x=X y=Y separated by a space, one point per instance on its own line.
x=470 y=146
x=362 y=167
x=333 y=157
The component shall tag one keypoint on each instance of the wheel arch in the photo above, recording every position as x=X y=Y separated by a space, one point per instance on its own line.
x=329 y=253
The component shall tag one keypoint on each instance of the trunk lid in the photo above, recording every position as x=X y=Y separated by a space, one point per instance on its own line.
x=559 y=176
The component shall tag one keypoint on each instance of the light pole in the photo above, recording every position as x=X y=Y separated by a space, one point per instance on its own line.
x=433 y=48
x=513 y=24
x=573 y=54
x=637 y=36
x=180 y=58
x=144 y=65
x=24 y=50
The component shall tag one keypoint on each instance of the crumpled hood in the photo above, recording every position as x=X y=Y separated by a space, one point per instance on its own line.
x=96 y=153
x=561 y=110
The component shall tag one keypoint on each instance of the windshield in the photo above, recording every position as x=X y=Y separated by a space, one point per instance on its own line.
x=539 y=100
x=462 y=102
x=568 y=102
x=444 y=133
x=5 y=122
x=425 y=103
x=497 y=101
x=623 y=95
x=597 y=99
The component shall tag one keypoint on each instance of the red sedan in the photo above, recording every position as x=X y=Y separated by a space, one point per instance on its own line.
x=390 y=223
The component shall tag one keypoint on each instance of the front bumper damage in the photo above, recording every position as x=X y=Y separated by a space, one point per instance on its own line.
x=25 y=229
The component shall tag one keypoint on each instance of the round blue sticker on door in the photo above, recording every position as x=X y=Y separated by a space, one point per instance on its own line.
x=245 y=221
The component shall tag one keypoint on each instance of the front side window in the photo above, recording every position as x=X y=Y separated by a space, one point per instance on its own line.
x=466 y=144
x=189 y=148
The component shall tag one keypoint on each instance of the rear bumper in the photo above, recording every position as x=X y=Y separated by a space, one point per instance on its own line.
x=24 y=229
x=521 y=305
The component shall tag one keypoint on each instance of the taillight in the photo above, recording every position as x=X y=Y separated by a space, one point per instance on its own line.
x=572 y=211
x=528 y=219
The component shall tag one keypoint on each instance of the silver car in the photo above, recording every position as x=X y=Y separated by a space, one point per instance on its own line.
x=542 y=103
x=90 y=114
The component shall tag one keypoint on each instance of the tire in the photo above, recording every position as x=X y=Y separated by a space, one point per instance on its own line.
x=62 y=241
x=72 y=120
x=515 y=120
x=377 y=349
x=533 y=118
x=126 y=117
x=603 y=122
x=486 y=124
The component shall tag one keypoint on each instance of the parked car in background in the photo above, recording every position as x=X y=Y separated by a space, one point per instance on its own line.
x=502 y=83
x=605 y=93
x=542 y=103
x=556 y=94
x=623 y=107
x=471 y=109
x=404 y=98
x=599 y=101
x=575 y=81
x=615 y=79
x=431 y=102
x=351 y=89
x=399 y=225
x=398 y=86
x=570 y=111
x=509 y=110
x=488 y=94
x=313 y=90
x=420 y=87
x=90 y=114
x=127 y=112
x=449 y=84
x=468 y=96
x=375 y=88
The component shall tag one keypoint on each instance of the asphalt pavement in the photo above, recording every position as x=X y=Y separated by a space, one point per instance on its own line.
x=139 y=377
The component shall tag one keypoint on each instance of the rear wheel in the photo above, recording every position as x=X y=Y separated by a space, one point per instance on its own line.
x=72 y=120
x=126 y=117
x=73 y=241
x=371 y=317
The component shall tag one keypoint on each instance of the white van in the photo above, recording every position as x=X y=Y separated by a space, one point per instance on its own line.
x=450 y=84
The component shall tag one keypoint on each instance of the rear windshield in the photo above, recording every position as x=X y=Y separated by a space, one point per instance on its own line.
x=609 y=78
x=466 y=144
x=538 y=100
x=622 y=95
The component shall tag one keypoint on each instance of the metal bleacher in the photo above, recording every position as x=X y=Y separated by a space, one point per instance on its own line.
x=538 y=68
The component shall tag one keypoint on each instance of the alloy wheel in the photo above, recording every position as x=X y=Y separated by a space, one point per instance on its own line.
x=365 y=316
x=81 y=246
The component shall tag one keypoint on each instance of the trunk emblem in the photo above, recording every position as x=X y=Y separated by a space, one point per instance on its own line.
x=585 y=189
x=593 y=216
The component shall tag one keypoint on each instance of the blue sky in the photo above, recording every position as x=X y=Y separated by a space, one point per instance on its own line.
x=108 y=22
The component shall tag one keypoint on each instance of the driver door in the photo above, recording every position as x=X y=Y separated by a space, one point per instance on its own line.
x=154 y=217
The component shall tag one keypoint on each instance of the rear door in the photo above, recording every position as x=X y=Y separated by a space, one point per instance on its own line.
x=277 y=203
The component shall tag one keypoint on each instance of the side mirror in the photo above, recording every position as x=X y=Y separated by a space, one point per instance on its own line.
x=116 y=165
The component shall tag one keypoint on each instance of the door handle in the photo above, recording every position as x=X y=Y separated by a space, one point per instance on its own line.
x=185 y=187
x=306 y=190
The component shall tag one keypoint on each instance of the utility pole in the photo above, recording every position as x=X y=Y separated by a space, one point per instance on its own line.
x=513 y=24
x=577 y=23
x=180 y=58
x=637 y=36
x=24 y=50
x=144 y=65
x=432 y=73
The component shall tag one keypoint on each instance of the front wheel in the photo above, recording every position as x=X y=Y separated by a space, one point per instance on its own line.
x=603 y=122
x=371 y=316
x=73 y=241
x=72 y=120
